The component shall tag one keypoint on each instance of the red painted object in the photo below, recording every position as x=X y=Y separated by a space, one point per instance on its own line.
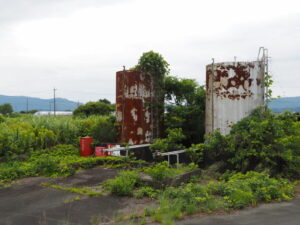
x=85 y=146
x=110 y=145
x=100 y=153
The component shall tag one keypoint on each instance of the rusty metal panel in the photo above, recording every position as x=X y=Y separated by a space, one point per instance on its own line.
x=134 y=95
x=234 y=90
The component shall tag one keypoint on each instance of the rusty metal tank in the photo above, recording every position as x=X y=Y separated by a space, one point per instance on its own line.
x=234 y=90
x=135 y=111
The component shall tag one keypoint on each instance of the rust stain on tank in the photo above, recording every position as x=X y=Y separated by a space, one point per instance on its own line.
x=228 y=78
x=134 y=95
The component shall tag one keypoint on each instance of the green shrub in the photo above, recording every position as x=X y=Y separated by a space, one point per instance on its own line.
x=2 y=119
x=241 y=190
x=123 y=184
x=145 y=191
x=94 y=108
x=170 y=143
x=160 y=171
x=262 y=141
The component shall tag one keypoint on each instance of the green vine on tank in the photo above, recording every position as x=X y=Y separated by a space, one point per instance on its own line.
x=268 y=81
x=154 y=65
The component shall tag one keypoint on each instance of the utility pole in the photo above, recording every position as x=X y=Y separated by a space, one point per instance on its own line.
x=54 y=106
x=27 y=105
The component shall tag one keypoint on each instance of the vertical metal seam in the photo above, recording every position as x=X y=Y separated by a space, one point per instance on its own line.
x=123 y=105
x=212 y=95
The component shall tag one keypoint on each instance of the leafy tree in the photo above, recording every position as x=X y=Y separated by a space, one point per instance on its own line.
x=185 y=108
x=104 y=100
x=94 y=108
x=154 y=64
x=6 y=109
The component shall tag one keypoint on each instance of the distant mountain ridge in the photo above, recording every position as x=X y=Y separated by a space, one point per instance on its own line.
x=19 y=103
x=286 y=103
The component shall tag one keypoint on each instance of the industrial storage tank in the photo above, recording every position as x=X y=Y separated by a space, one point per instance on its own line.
x=234 y=90
x=135 y=107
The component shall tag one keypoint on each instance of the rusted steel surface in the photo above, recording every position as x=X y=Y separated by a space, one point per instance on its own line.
x=134 y=96
x=234 y=89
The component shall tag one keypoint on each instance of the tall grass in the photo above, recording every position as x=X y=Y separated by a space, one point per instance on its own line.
x=27 y=133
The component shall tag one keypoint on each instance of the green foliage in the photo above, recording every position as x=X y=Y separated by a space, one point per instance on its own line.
x=174 y=203
x=185 y=108
x=104 y=131
x=237 y=191
x=162 y=171
x=262 y=141
x=103 y=107
x=26 y=133
x=153 y=63
x=170 y=143
x=123 y=184
x=268 y=81
x=196 y=152
x=241 y=190
x=61 y=160
x=2 y=119
x=145 y=191
x=6 y=109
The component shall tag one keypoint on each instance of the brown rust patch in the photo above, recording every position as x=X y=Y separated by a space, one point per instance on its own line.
x=230 y=80
x=134 y=94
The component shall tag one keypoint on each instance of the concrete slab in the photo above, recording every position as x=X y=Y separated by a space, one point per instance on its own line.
x=284 y=213
x=29 y=203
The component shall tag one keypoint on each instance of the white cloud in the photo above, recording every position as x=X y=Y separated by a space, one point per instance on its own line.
x=77 y=46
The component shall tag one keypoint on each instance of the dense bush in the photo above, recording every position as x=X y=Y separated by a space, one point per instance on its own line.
x=240 y=190
x=185 y=108
x=6 y=109
x=171 y=143
x=124 y=183
x=262 y=141
x=102 y=107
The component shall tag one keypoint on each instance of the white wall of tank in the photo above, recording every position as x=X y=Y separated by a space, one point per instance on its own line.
x=234 y=90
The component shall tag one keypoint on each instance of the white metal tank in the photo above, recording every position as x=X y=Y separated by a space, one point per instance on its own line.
x=234 y=90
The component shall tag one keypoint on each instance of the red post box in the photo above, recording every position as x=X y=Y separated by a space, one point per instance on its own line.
x=85 y=146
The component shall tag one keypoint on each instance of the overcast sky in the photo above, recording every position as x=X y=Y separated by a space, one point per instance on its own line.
x=77 y=46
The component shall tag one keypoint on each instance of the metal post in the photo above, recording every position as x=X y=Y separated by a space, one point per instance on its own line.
x=54 y=101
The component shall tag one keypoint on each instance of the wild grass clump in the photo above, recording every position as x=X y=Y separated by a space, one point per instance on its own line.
x=123 y=184
x=234 y=192
x=61 y=160
x=162 y=171
x=241 y=190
